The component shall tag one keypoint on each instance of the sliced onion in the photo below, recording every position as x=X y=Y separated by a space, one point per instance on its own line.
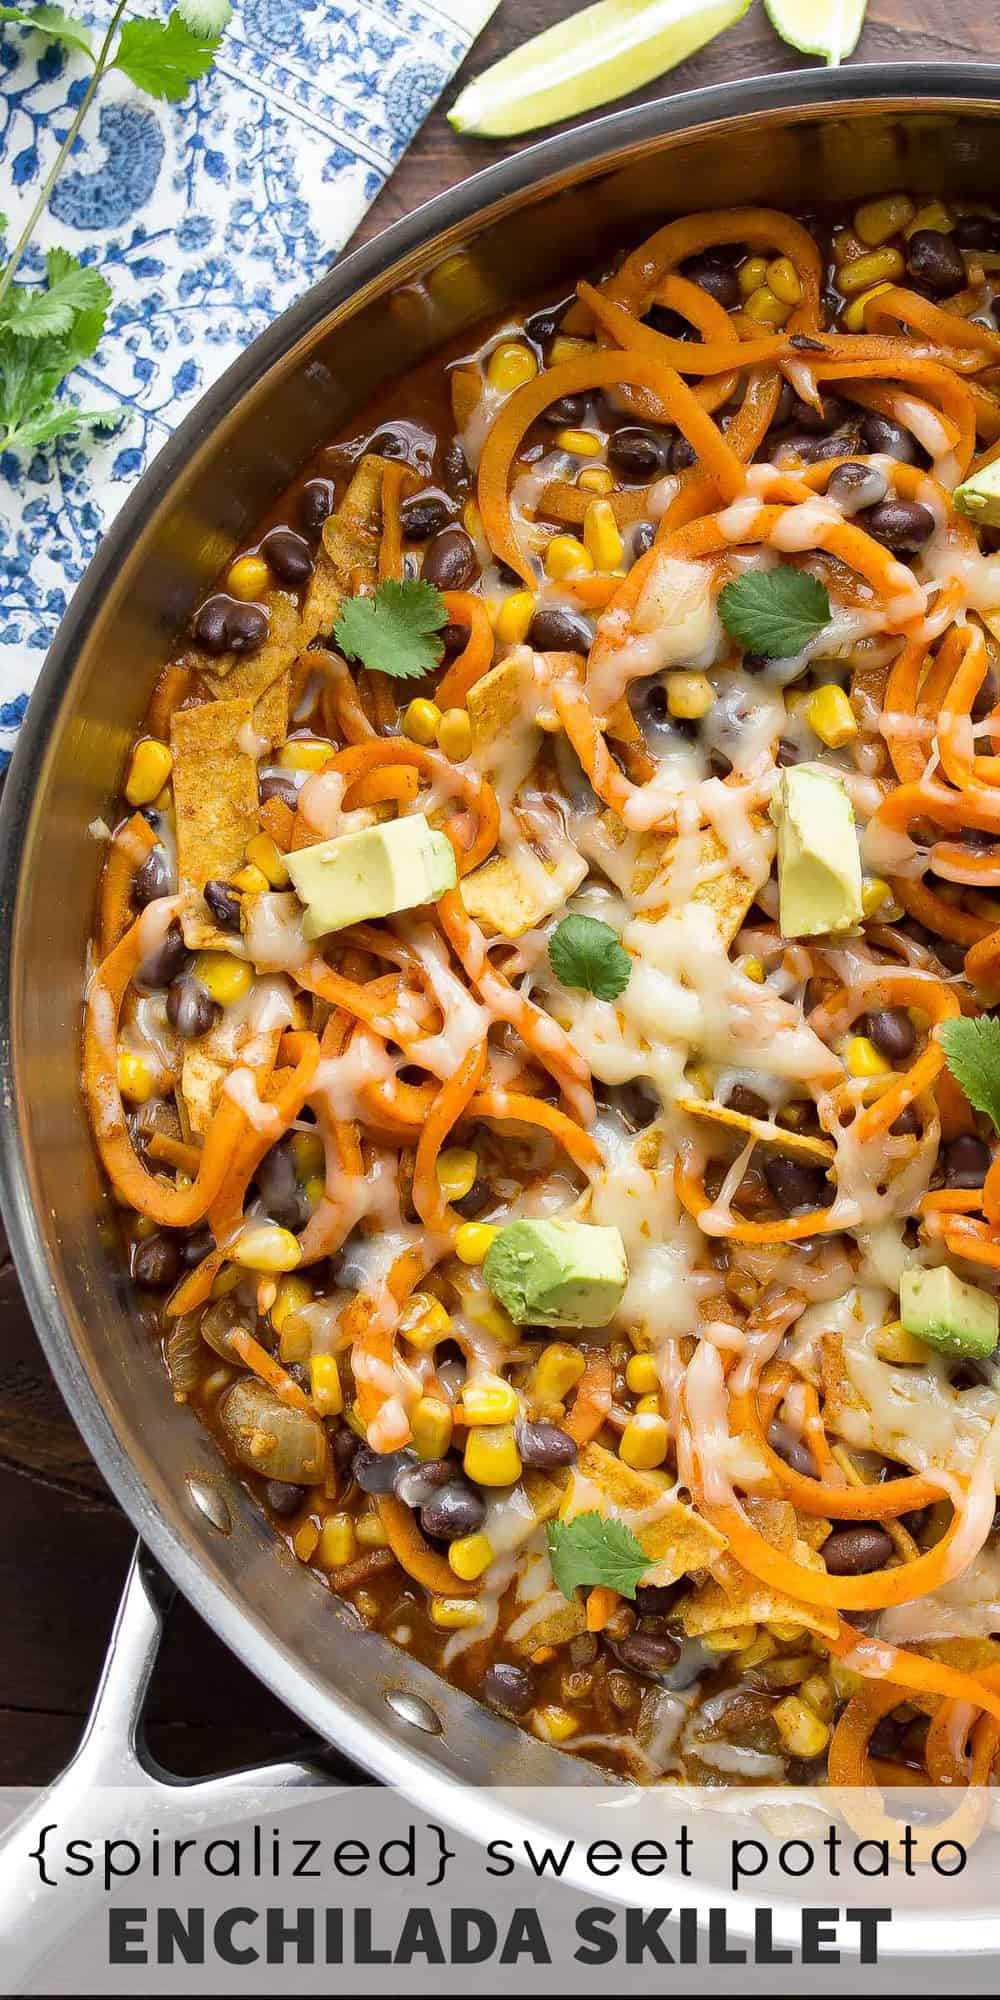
x=269 y=1438
x=184 y=1353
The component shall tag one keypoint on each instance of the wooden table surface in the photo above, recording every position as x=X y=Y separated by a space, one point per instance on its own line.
x=65 y=1545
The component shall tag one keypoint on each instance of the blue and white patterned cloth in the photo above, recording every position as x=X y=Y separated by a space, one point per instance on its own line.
x=207 y=218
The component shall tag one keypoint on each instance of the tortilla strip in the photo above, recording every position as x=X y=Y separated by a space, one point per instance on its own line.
x=734 y=1597
x=496 y=702
x=800 y=1144
x=671 y=1534
x=215 y=789
x=507 y=899
x=347 y=561
x=554 y=1630
x=235 y=675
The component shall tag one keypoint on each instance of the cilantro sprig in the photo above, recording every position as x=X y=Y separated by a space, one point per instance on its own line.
x=774 y=612
x=395 y=630
x=972 y=1052
x=591 y=1549
x=585 y=953
x=47 y=329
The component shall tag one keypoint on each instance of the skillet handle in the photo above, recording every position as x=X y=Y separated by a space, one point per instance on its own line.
x=85 y=1800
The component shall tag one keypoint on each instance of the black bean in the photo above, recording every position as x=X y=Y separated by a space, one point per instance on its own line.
x=455 y=470
x=965 y=1161
x=194 y=1246
x=792 y=1448
x=900 y=525
x=415 y=1484
x=479 y=1198
x=806 y=345
x=450 y=559
x=508 y=1687
x=638 y=453
x=544 y=1446
x=555 y=631
x=856 y=1551
x=316 y=503
x=656 y=1599
x=543 y=325
x=425 y=515
x=788 y=753
x=152 y=880
x=977 y=232
x=282 y=1498
x=344 y=1448
x=155 y=1263
x=832 y=413
x=934 y=259
x=389 y=444
x=812 y=450
x=189 y=1008
x=170 y=958
x=648 y=1653
x=454 y=639
x=376 y=1471
x=226 y=625
x=747 y=1101
x=718 y=280
x=278 y=785
x=906 y=1124
x=854 y=485
x=986 y=699
x=643 y=537
x=793 y=1184
x=279 y=1188
x=288 y=554
x=456 y=1509
x=892 y=1031
x=569 y=410
x=952 y=955
x=636 y=1102
x=663 y=319
x=881 y=434
x=682 y=455
x=224 y=904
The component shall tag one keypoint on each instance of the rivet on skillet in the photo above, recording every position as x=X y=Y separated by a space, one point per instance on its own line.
x=211 y=1503
x=412 y=1708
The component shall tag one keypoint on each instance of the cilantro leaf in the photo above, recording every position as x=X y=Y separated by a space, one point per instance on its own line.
x=72 y=289
x=972 y=1052
x=164 y=58
x=205 y=17
x=584 y=952
x=394 y=631
x=62 y=421
x=51 y=21
x=590 y=1549
x=774 y=612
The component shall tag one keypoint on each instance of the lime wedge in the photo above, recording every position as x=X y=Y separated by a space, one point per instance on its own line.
x=601 y=53
x=827 y=28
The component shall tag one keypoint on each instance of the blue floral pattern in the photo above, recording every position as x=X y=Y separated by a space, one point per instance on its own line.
x=207 y=219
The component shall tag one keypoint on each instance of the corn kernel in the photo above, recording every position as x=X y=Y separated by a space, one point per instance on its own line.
x=514 y=618
x=875 y=893
x=304 y=753
x=819 y=1694
x=457 y=1168
x=469 y=1556
x=420 y=721
x=641 y=1375
x=730 y=1638
x=265 y=1246
x=294 y=1340
x=830 y=716
x=431 y=1424
x=763 y=306
x=337 y=1542
x=854 y=315
x=601 y=538
x=566 y=348
x=292 y=1295
x=596 y=479
x=864 y=1059
x=847 y=247
x=369 y=1530
x=801 y=1731
x=753 y=968
x=314 y=1189
x=425 y=1322
x=876 y=221
x=784 y=281
x=752 y=274
x=265 y=854
x=472 y=520
x=308 y=1154
x=643 y=1442
x=324 y=1380
x=251 y=881
x=933 y=215
x=758 y=1652
x=489 y=1399
x=510 y=366
x=305 y=1541
x=148 y=772
x=472 y=1240
x=894 y=1343
x=879 y=267
x=689 y=696
x=648 y=1406
x=557 y=1371
x=785 y=1632
x=583 y=444
x=226 y=979
x=565 y=557
x=491 y=1455
x=455 y=734
x=455 y=1614
x=225 y=1281
x=134 y=1079
x=553 y=1724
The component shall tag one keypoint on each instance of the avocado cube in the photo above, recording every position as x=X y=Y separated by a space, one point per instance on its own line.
x=819 y=859
x=944 y=1312
x=979 y=497
x=557 y=1273
x=356 y=877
